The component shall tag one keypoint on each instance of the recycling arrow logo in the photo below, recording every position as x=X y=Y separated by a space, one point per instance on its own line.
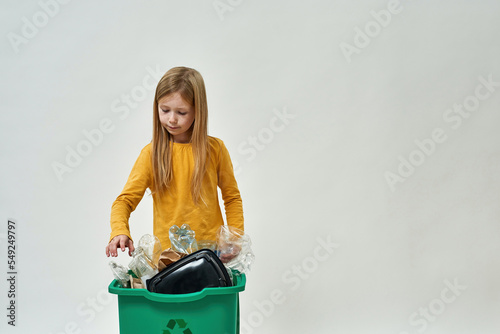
x=179 y=325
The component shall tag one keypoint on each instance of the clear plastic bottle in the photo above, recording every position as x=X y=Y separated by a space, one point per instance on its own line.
x=120 y=273
x=142 y=266
x=151 y=246
x=183 y=239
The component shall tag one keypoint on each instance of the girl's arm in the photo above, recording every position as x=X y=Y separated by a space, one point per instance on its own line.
x=229 y=189
x=137 y=183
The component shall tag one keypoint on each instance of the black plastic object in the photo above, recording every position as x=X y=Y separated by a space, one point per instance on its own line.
x=193 y=273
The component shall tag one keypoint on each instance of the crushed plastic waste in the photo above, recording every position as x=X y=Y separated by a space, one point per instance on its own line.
x=232 y=246
x=151 y=246
x=141 y=265
x=183 y=239
x=235 y=249
x=120 y=273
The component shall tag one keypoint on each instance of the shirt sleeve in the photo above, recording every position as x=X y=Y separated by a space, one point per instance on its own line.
x=229 y=189
x=138 y=181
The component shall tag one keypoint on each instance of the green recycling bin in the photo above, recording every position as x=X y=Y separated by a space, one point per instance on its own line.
x=210 y=311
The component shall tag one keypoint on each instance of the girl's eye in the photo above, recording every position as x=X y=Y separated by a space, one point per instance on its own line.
x=182 y=113
x=165 y=110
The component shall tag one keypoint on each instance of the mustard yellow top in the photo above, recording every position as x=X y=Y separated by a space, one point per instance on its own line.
x=176 y=206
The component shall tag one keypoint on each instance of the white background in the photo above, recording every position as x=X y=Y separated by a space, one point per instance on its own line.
x=353 y=118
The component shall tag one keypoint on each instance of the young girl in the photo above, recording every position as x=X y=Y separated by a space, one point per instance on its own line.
x=182 y=166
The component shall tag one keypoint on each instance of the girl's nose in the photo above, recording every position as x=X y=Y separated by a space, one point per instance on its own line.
x=173 y=119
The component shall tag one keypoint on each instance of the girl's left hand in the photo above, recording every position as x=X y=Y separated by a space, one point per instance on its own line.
x=229 y=252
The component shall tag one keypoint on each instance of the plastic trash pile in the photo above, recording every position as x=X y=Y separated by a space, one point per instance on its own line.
x=188 y=266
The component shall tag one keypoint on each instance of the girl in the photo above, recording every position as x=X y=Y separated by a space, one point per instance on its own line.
x=182 y=166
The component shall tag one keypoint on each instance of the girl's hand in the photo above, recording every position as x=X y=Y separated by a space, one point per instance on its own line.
x=120 y=241
x=229 y=252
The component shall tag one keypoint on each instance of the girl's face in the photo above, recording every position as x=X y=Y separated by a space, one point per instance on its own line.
x=177 y=117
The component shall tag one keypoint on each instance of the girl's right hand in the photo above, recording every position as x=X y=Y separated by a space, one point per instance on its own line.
x=120 y=241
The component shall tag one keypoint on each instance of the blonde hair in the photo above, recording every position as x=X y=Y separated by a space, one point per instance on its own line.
x=190 y=85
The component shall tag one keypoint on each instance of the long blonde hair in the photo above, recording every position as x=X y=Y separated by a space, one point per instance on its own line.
x=190 y=85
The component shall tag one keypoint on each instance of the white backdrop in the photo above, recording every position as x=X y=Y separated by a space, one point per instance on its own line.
x=364 y=136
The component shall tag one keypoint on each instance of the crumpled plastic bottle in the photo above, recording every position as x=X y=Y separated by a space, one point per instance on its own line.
x=183 y=239
x=235 y=248
x=142 y=266
x=151 y=246
x=120 y=273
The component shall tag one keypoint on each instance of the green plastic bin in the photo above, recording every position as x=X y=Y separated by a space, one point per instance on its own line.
x=210 y=311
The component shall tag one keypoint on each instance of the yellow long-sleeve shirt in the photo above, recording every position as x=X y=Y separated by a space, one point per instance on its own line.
x=176 y=206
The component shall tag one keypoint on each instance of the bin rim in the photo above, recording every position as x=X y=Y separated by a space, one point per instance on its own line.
x=114 y=288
